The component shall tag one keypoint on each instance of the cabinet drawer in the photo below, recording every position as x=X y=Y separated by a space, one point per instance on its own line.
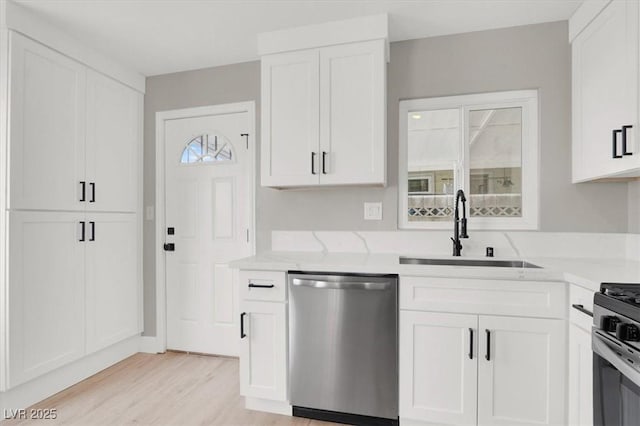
x=263 y=285
x=584 y=297
x=480 y=296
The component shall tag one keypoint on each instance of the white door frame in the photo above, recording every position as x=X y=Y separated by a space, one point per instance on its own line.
x=161 y=118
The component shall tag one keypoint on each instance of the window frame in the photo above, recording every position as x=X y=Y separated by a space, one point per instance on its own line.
x=530 y=151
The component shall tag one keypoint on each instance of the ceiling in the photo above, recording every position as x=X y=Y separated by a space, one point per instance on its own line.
x=164 y=36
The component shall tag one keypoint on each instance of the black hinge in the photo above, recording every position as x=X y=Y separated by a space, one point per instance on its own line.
x=169 y=247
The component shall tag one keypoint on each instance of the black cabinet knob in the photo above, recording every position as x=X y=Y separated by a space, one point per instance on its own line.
x=609 y=323
x=628 y=332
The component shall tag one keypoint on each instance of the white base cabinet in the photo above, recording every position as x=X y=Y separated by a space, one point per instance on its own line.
x=73 y=279
x=111 y=277
x=438 y=367
x=465 y=359
x=263 y=350
x=486 y=370
x=580 y=377
x=521 y=374
x=46 y=293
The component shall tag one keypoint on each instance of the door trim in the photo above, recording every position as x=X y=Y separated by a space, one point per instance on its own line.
x=160 y=226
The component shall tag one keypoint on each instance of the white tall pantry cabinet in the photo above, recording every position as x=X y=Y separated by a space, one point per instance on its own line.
x=72 y=256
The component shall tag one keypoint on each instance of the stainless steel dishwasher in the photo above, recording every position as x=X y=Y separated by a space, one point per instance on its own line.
x=343 y=347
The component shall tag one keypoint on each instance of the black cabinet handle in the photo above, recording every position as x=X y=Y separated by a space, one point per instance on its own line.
x=93 y=231
x=313 y=163
x=93 y=192
x=582 y=309
x=169 y=247
x=614 y=141
x=471 y=343
x=624 y=140
x=488 y=355
x=83 y=187
x=242 y=334
x=81 y=231
x=252 y=285
x=324 y=162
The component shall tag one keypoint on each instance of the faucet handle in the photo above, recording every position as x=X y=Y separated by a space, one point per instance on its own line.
x=463 y=228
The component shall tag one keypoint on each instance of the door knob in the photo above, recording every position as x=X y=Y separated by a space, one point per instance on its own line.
x=169 y=247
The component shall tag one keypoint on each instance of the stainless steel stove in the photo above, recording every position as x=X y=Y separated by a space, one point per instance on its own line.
x=616 y=349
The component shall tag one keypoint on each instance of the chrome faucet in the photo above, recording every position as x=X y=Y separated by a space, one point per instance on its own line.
x=459 y=225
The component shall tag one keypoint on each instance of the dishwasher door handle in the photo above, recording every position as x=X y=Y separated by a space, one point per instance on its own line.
x=341 y=285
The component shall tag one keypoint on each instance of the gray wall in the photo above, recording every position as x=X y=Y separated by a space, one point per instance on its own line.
x=530 y=57
x=634 y=207
x=234 y=83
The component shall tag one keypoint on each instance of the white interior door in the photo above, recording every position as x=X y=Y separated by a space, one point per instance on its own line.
x=208 y=219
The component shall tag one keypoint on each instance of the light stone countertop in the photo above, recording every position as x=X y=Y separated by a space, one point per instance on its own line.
x=585 y=272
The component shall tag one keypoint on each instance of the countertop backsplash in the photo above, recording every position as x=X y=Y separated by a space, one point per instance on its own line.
x=511 y=244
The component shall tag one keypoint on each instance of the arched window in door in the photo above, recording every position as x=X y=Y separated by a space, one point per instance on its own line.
x=208 y=148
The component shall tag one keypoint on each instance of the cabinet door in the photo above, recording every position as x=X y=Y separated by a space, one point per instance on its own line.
x=521 y=372
x=353 y=113
x=290 y=114
x=46 y=136
x=112 y=279
x=263 y=350
x=46 y=305
x=438 y=367
x=580 y=377
x=605 y=91
x=113 y=144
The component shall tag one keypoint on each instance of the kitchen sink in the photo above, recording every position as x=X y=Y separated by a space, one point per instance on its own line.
x=490 y=263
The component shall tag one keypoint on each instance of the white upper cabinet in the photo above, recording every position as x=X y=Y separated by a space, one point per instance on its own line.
x=605 y=94
x=112 y=144
x=290 y=119
x=324 y=104
x=352 y=114
x=47 y=125
x=74 y=134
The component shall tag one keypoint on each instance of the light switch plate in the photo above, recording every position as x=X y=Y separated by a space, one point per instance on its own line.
x=372 y=211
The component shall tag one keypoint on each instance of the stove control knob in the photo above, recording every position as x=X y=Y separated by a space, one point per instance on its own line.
x=609 y=323
x=628 y=332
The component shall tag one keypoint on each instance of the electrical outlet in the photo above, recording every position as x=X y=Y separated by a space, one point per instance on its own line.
x=372 y=211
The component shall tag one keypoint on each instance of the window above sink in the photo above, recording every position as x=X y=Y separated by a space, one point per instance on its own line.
x=485 y=144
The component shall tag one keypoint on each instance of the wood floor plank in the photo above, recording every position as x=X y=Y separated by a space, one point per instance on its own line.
x=166 y=389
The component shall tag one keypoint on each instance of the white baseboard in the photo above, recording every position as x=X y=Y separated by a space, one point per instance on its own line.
x=151 y=345
x=27 y=394
x=277 y=407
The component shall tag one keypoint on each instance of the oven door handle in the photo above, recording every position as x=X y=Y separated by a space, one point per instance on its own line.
x=601 y=348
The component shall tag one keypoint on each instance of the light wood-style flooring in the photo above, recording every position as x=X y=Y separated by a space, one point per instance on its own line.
x=166 y=389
